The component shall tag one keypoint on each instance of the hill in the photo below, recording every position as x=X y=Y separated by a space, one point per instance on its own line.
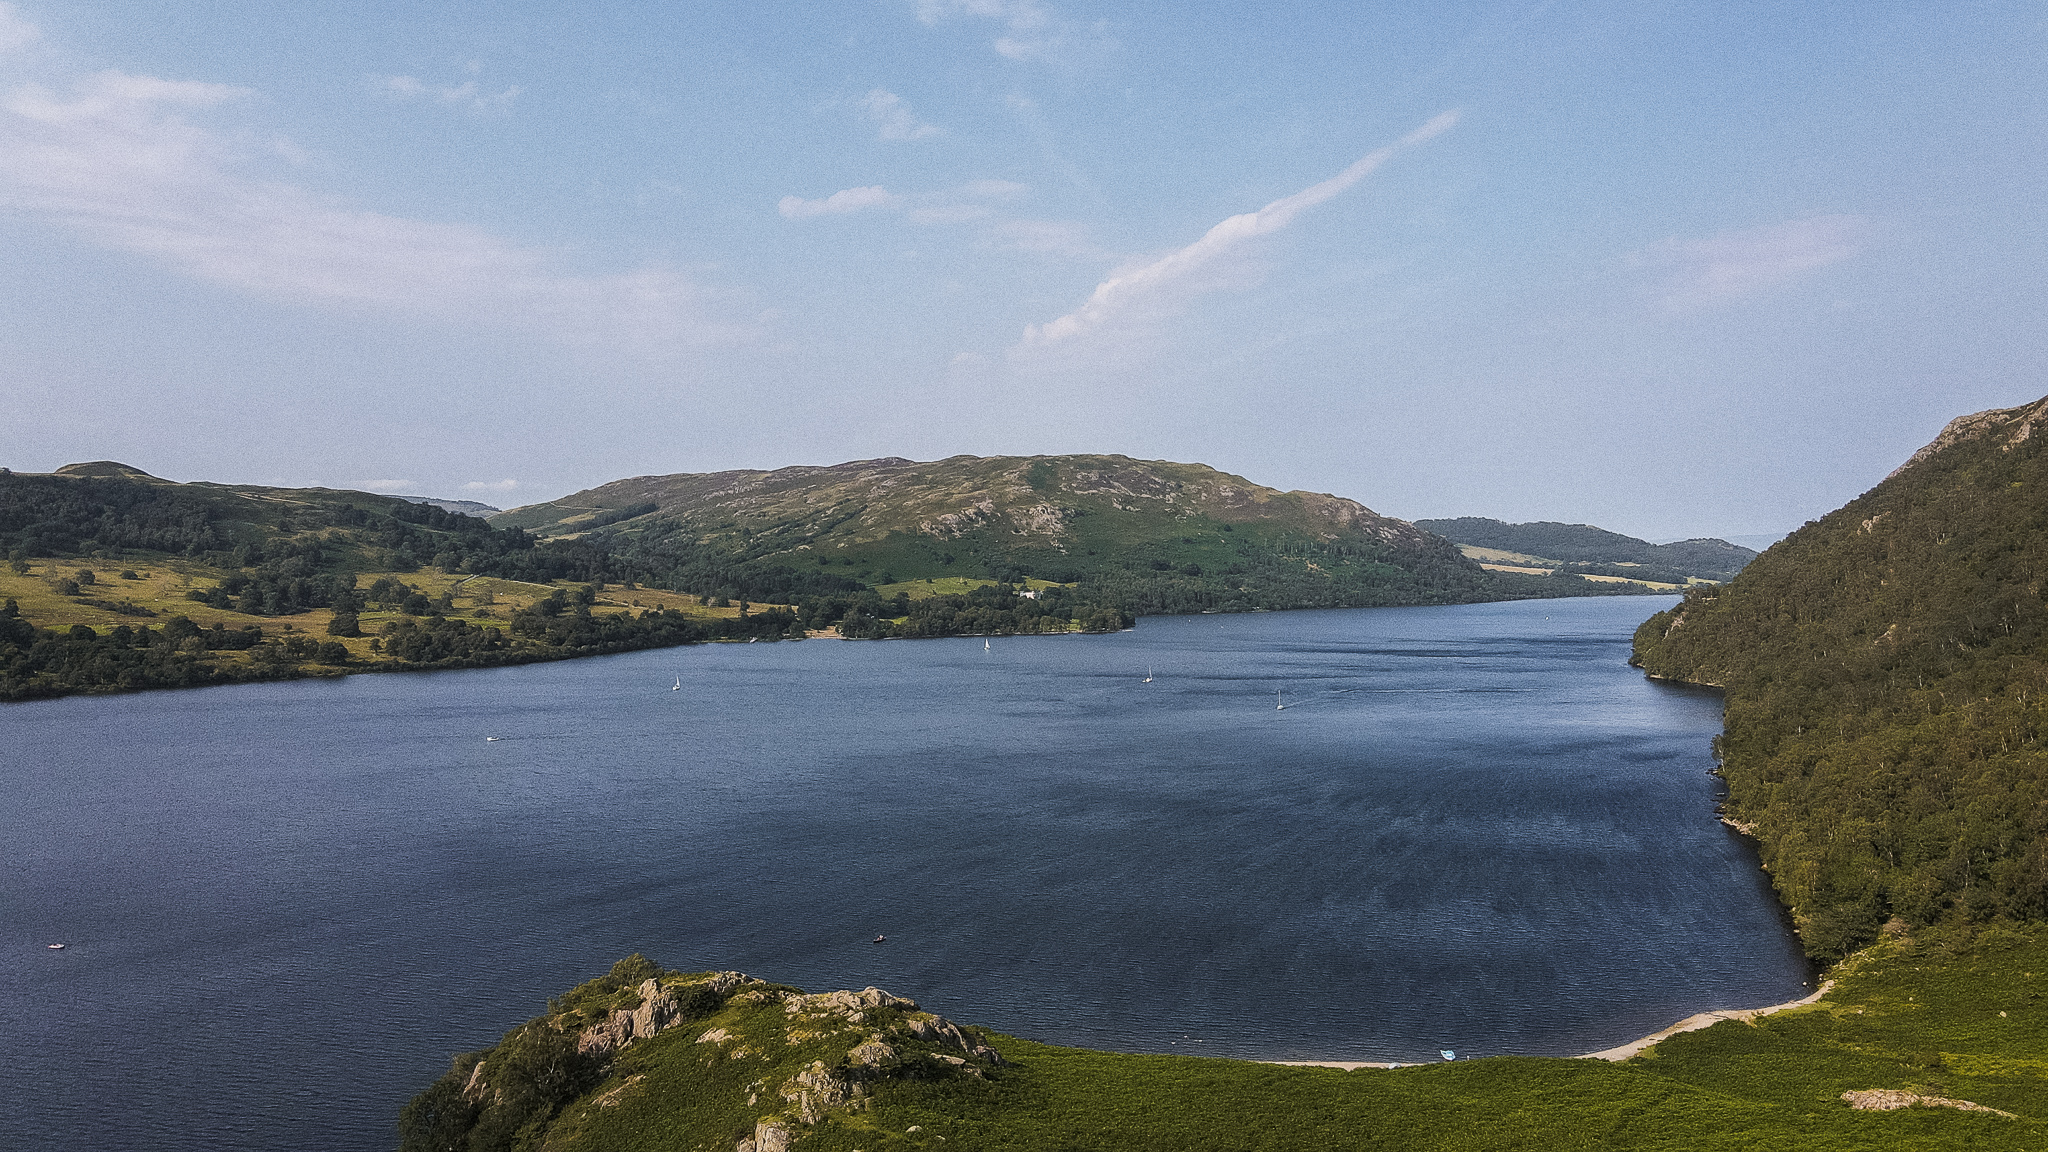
x=252 y=582
x=466 y=507
x=643 y=1059
x=116 y=579
x=1885 y=670
x=1588 y=550
x=1134 y=536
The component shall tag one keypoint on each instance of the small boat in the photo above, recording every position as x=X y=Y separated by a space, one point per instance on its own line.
x=1448 y=1054
x=877 y=940
x=1148 y=676
x=56 y=947
x=679 y=685
x=984 y=644
x=1277 y=705
x=490 y=739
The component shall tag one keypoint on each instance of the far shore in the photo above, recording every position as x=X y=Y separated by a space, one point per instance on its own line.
x=1616 y=1054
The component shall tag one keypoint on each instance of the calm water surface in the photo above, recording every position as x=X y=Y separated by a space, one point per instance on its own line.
x=287 y=905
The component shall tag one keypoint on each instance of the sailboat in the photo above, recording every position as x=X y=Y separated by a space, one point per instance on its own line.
x=1148 y=676
x=984 y=643
x=1277 y=705
x=679 y=685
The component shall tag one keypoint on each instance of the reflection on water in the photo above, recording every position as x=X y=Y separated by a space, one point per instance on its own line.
x=287 y=905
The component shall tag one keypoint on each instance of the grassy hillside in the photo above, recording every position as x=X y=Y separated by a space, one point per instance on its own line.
x=725 y=1063
x=1585 y=549
x=1885 y=669
x=118 y=580
x=1133 y=536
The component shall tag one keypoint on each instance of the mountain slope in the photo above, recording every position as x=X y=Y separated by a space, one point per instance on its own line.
x=1151 y=536
x=1585 y=545
x=1885 y=670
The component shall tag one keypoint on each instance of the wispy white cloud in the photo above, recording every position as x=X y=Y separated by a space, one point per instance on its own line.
x=841 y=203
x=126 y=162
x=389 y=487
x=1162 y=281
x=468 y=93
x=497 y=487
x=1031 y=30
x=973 y=200
x=985 y=204
x=893 y=118
x=1702 y=272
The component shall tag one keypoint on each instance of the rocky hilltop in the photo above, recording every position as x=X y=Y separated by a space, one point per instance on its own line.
x=1039 y=498
x=763 y=1062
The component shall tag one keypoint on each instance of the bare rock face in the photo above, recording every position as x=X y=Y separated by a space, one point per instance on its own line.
x=660 y=1009
x=926 y=1026
x=2016 y=423
x=769 y=1136
x=889 y=1023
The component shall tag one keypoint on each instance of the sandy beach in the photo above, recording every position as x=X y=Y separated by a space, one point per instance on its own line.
x=1618 y=1053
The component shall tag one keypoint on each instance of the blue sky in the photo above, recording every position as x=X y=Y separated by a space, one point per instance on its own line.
x=1674 y=269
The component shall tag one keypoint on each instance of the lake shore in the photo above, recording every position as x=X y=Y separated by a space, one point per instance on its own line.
x=1616 y=1054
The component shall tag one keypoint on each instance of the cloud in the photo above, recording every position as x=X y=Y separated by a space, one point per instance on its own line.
x=16 y=33
x=123 y=161
x=389 y=487
x=467 y=93
x=1031 y=31
x=970 y=201
x=891 y=113
x=1158 y=282
x=490 y=486
x=841 y=203
x=1743 y=262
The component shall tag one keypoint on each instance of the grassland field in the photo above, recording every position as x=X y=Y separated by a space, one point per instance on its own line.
x=162 y=584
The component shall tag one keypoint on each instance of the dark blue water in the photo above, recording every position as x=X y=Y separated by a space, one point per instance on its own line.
x=287 y=905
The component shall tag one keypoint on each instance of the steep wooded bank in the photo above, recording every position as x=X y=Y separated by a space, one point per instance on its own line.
x=1886 y=670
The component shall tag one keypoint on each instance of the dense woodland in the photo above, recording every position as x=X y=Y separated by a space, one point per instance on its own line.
x=1886 y=671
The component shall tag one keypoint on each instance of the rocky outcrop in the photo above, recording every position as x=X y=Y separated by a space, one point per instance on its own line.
x=633 y=1039
x=2017 y=425
x=1892 y=1099
x=660 y=1008
x=890 y=1036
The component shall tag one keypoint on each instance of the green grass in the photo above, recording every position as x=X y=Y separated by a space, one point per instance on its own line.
x=948 y=586
x=1923 y=1016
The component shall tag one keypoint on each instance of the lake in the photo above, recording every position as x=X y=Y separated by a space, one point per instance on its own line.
x=287 y=905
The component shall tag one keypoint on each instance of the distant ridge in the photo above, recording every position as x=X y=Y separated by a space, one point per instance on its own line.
x=107 y=469
x=1150 y=536
x=1583 y=544
x=464 y=507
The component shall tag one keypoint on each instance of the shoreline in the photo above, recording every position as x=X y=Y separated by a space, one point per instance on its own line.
x=1616 y=1054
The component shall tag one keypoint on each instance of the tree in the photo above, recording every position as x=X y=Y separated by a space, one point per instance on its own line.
x=345 y=624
